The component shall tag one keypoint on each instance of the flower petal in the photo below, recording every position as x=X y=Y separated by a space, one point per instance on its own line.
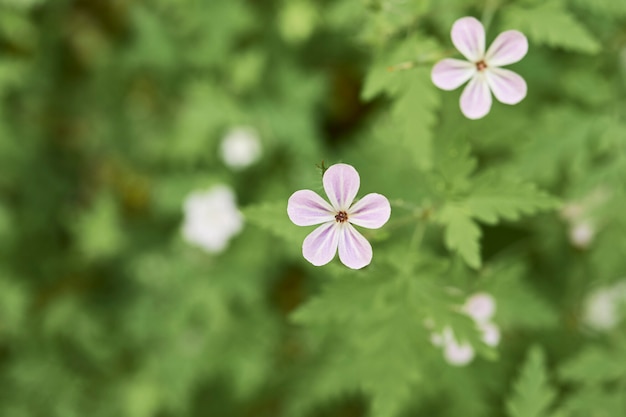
x=508 y=48
x=468 y=36
x=507 y=86
x=480 y=306
x=306 y=208
x=476 y=98
x=320 y=246
x=341 y=183
x=491 y=334
x=354 y=250
x=458 y=354
x=372 y=211
x=449 y=73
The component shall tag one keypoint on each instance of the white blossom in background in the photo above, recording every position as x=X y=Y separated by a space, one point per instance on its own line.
x=241 y=147
x=481 y=307
x=582 y=219
x=455 y=353
x=211 y=218
x=581 y=235
x=458 y=354
x=601 y=310
x=491 y=334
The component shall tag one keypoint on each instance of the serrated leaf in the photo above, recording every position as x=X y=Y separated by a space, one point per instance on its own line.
x=413 y=113
x=493 y=199
x=593 y=366
x=551 y=24
x=454 y=163
x=532 y=393
x=462 y=233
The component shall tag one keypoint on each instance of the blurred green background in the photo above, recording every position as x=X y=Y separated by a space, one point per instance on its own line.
x=112 y=113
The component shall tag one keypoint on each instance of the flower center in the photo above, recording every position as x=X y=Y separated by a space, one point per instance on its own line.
x=481 y=65
x=341 y=217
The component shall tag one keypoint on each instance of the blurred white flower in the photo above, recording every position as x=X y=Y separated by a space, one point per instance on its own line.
x=602 y=307
x=458 y=354
x=211 y=218
x=582 y=218
x=480 y=306
x=581 y=234
x=491 y=334
x=241 y=147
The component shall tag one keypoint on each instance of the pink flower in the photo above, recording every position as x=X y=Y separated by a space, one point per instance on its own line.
x=306 y=208
x=482 y=69
x=480 y=306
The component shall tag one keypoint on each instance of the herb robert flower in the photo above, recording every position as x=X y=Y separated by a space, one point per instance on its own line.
x=307 y=208
x=482 y=69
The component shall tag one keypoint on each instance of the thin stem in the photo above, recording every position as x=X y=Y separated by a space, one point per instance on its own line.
x=429 y=58
x=488 y=12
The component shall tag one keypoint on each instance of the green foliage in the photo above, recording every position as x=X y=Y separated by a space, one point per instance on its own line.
x=113 y=113
x=551 y=24
x=532 y=394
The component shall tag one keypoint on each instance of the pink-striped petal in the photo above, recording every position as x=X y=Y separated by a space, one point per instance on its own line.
x=306 y=208
x=476 y=98
x=468 y=36
x=509 y=47
x=450 y=73
x=372 y=211
x=354 y=250
x=341 y=183
x=507 y=86
x=320 y=246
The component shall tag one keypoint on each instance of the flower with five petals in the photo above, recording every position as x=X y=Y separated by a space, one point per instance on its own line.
x=482 y=69
x=307 y=208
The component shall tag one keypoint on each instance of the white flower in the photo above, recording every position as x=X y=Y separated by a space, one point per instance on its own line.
x=241 y=147
x=581 y=234
x=211 y=218
x=602 y=307
x=482 y=69
x=458 y=354
x=491 y=334
x=455 y=353
x=480 y=306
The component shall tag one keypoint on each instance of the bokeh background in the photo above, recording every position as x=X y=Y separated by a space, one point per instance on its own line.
x=115 y=114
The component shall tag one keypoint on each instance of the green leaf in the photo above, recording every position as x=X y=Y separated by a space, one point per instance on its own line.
x=595 y=365
x=491 y=199
x=532 y=394
x=551 y=24
x=495 y=198
x=462 y=233
x=413 y=114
